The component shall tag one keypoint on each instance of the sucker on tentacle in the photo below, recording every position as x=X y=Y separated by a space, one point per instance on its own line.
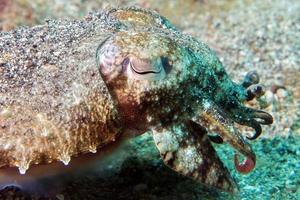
x=252 y=118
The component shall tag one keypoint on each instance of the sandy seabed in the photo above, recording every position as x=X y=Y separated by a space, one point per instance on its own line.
x=246 y=35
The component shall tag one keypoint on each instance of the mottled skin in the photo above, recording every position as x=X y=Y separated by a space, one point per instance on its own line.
x=55 y=104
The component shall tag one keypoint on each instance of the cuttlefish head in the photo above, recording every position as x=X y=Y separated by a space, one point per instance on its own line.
x=157 y=80
x=140 y=70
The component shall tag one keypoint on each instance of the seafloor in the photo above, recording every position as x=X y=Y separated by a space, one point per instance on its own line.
x=253 y=34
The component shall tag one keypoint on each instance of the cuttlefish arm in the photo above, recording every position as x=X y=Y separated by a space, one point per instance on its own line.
x=186 y=149
x=248 y=89
x=217 y=121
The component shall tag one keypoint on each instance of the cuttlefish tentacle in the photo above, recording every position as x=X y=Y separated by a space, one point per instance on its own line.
x=254 y=118
x=252 y=86
x=255 y=91
x=217 y=122
x=250 y=78
x=235 y=110
x=251 y=117
x=263 y=117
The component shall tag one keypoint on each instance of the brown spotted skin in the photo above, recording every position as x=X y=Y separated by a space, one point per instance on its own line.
x=54 y=103
x=186 y=149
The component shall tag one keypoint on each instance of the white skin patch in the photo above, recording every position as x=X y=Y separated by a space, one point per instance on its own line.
x=45 y=132
x=6 y=146
x=65 y=158
x=23 y=167
x=93 y=149
x=190 y=158
x=206 y=105
x=165 y=141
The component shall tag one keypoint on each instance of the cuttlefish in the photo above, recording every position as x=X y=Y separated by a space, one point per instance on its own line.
x=74 y=87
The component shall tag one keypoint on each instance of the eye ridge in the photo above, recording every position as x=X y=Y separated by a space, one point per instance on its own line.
x=146 y=71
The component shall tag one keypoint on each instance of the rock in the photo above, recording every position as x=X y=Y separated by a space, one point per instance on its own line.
x=281 y=93
x=269 y=97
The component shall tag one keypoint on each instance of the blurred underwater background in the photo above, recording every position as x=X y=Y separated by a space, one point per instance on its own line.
x=261 y=35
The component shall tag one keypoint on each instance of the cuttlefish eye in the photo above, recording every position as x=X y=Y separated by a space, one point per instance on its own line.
x=137 y=57
x=146 y=69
